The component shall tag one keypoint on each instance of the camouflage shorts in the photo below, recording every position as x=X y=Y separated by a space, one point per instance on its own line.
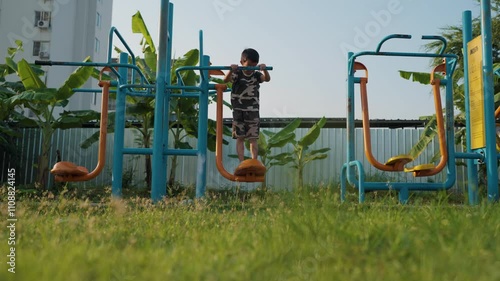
x=246 y=124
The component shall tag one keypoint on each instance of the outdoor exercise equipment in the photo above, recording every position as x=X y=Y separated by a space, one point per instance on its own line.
x=480 y=115
x=65 y=171
x=162 y=91
x=480 y=105
x=398 y=163
x=250 y=170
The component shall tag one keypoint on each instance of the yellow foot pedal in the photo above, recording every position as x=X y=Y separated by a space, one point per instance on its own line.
x=65 y=169
x=250 y=170
x=398 y=162
x=417 y=170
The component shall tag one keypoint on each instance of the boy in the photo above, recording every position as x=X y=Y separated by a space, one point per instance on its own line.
x=245 y=101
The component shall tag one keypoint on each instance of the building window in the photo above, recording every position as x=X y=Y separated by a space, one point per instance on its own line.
x=97 y=46
x=41 y=49
x=42 y=19
x=98 y=20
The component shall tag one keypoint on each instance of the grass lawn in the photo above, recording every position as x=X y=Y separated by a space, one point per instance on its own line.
x=272 y=236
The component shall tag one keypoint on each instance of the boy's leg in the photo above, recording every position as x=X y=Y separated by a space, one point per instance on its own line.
x=239 y=133
x=253 y=128
x=240 y=148
x=254 y=148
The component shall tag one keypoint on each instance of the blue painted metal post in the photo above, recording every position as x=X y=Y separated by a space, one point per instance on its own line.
x=451 y=170
x=404 y=194
x=201 y=175
x=472 y=179
x=118 y=146
x=489 y=102
x=159 y=179
x=168 y=80
x=350 y=115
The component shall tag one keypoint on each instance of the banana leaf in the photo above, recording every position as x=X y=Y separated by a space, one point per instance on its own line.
x=75 y=80
x=313 y=133
x=29 y=78
x=429 y=133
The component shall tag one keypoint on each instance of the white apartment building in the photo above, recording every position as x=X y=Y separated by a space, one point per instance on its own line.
x=58 y=30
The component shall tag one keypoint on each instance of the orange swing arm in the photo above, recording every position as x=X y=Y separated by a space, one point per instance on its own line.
x=220 y=88
x=250 y=170
x=395 y=163
x=436 y=84
x=65 y=171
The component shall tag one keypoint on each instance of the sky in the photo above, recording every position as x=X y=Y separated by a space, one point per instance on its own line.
x=306 y=42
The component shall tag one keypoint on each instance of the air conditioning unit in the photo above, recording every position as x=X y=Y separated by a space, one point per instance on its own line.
x=44 y=54
x=42 y=24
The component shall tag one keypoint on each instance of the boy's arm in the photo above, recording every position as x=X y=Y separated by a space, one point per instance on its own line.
x=228 y=77
x=265 y=74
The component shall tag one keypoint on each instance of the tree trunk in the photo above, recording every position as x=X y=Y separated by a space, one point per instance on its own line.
x=145 y=142
x=300 y=179
x=171 y=178
x=43 y=161
x=148 y=171
x=264 y=185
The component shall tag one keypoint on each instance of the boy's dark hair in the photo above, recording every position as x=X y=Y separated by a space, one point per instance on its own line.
x=250 y=54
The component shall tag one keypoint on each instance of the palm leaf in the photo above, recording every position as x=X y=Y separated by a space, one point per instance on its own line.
x=11 y=65
x=427 y=136
x=262 y=144
x=45 y=96
x=75 y=80
x=322 y=150
x=420 y=77
x=284 y=134
x=138 y=26
x=72 y=119
x=268 y=133
x=30 y=80
x=313 y=133
x=151 y=58
x=281 y=141
x=310 y=158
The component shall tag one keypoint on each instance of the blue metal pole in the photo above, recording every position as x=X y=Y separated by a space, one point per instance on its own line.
x=350 y=116
x=451 y=170
x=201 y=175
x=168 y=90
x=489 y=102
x=472 y=178
x=118 y=146
x=159 y=179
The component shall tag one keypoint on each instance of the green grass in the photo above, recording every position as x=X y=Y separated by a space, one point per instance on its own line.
x=271 y=236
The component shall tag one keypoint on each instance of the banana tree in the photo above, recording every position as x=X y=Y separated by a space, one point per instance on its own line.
x=10 y=119
x=183 y=111
x=299 y=157
x=42 y=101
x=269 y=140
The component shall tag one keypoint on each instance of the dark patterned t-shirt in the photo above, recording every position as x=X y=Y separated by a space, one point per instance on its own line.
x=245 y=91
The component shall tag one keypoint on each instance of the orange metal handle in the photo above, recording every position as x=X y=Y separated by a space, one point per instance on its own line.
x=436 y=83
x=103 y=130
x=366 y=123
x=220 y=88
